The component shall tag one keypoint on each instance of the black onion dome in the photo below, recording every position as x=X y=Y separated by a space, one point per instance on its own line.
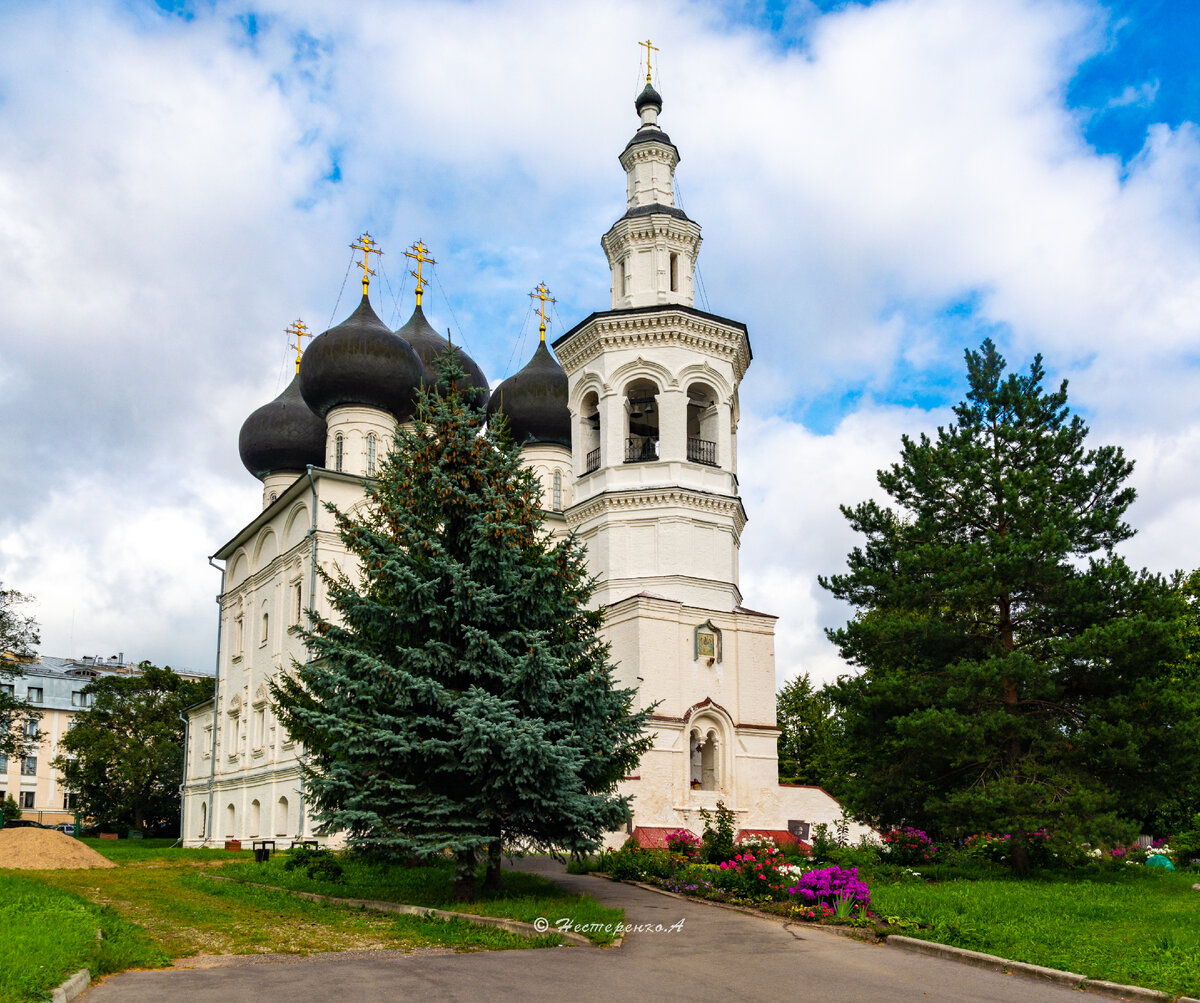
x=535 y=401
x=648 y=96
x=431 y=346
x=360 y=361
x=283 y=436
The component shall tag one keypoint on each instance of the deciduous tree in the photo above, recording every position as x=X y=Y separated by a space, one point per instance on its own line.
x=123 y=756
x=18 y=638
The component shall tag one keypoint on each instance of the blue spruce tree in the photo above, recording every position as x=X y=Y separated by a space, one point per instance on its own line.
x=461 y=699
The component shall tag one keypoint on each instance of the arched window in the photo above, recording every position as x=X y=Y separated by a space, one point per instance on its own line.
x=281 y=817
x=370 y=454
x=203 y=820
x=230 y=821
x=339 y=446
x=674 y=272
x=558 y=491
x=255 y=817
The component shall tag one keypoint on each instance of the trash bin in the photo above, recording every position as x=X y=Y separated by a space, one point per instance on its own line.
x=262 y=850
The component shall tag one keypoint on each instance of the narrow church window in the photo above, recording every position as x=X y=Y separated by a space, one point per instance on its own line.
x=338 y=449
x=371 y=454
x=266 y=622
x=558 y=491
x=674 y=272
x=621 y=277
x=297 y=603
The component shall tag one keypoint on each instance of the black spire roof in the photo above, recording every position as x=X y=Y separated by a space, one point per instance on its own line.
x=283 y=436
x=431 y=346
x=535 y=401
x=360 y=361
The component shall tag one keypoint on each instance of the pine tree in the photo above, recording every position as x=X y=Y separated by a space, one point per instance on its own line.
x=461 y=697
x=1017 y=672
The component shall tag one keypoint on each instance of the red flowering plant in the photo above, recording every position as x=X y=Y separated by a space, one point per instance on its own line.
x=907 y=845
x=684 y=844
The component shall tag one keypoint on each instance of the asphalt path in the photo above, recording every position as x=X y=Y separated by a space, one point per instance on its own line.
x=713 y=954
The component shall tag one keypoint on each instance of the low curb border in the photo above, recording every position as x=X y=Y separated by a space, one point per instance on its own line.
x=1071 y=980
x=500 y=922
x=72 y=987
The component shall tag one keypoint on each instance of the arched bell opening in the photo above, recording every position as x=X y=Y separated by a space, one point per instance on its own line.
x=589 y=431
x=703 y=416
x=641 y=422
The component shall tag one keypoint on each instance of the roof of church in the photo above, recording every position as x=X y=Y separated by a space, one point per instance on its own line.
x=652 y=134
x=360 y=361
x=656 y=207
x=535 y=401
x=652 y=308
x=283 y=436
x=431 y=346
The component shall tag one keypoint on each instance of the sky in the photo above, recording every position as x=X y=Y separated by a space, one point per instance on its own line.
x=880 y=185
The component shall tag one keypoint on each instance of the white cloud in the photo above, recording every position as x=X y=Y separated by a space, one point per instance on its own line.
x=163 y=216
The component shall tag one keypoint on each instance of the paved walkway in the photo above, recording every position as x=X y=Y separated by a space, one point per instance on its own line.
x=718 y=954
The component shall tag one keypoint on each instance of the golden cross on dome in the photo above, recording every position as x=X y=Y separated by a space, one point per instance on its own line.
x=368 y=247
x=300 y=330
x=418 y=252
x=543 y=294
x=648 y=48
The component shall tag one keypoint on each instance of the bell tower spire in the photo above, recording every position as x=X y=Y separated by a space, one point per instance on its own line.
x=652 y=248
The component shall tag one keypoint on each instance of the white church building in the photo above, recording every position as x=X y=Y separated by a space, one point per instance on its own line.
x=632 y=431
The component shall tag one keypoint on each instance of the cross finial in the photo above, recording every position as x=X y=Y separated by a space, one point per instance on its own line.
x=418 y=252
x=299 y=329
x=368 y=247
x=648 y=48
x=543 y=294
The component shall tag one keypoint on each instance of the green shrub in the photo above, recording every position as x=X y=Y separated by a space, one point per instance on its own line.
x=317 y=862
x=717 y=842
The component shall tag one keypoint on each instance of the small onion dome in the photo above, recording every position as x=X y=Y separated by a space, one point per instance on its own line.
x=535 y=401
x=360 y=362
x=431 y=346
x=648 y=96
x=283 y=436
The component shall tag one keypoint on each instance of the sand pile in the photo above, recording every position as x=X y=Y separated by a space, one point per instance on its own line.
x=28 y=849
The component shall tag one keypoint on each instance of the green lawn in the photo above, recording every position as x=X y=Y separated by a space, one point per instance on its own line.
x=158 y=904
x=1135 y=925
x=524 y=897
x=46 y=934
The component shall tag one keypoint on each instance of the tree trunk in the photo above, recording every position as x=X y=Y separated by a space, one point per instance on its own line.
x=1019 y=857
x=491 y=879
x=464 y=876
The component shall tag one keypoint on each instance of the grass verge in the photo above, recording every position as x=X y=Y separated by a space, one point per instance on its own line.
x=524 y=897
x=1139 y=926
x=47 y=934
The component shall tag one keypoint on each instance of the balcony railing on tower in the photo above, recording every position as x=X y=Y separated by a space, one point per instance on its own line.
x=702 y=451
x=592 y=461
x=641 y=449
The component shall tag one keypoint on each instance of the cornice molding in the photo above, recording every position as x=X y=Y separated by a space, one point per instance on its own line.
x=632 y=500
x=666 y=325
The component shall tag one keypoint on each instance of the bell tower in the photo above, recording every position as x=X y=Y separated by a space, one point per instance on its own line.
x=653 y=397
